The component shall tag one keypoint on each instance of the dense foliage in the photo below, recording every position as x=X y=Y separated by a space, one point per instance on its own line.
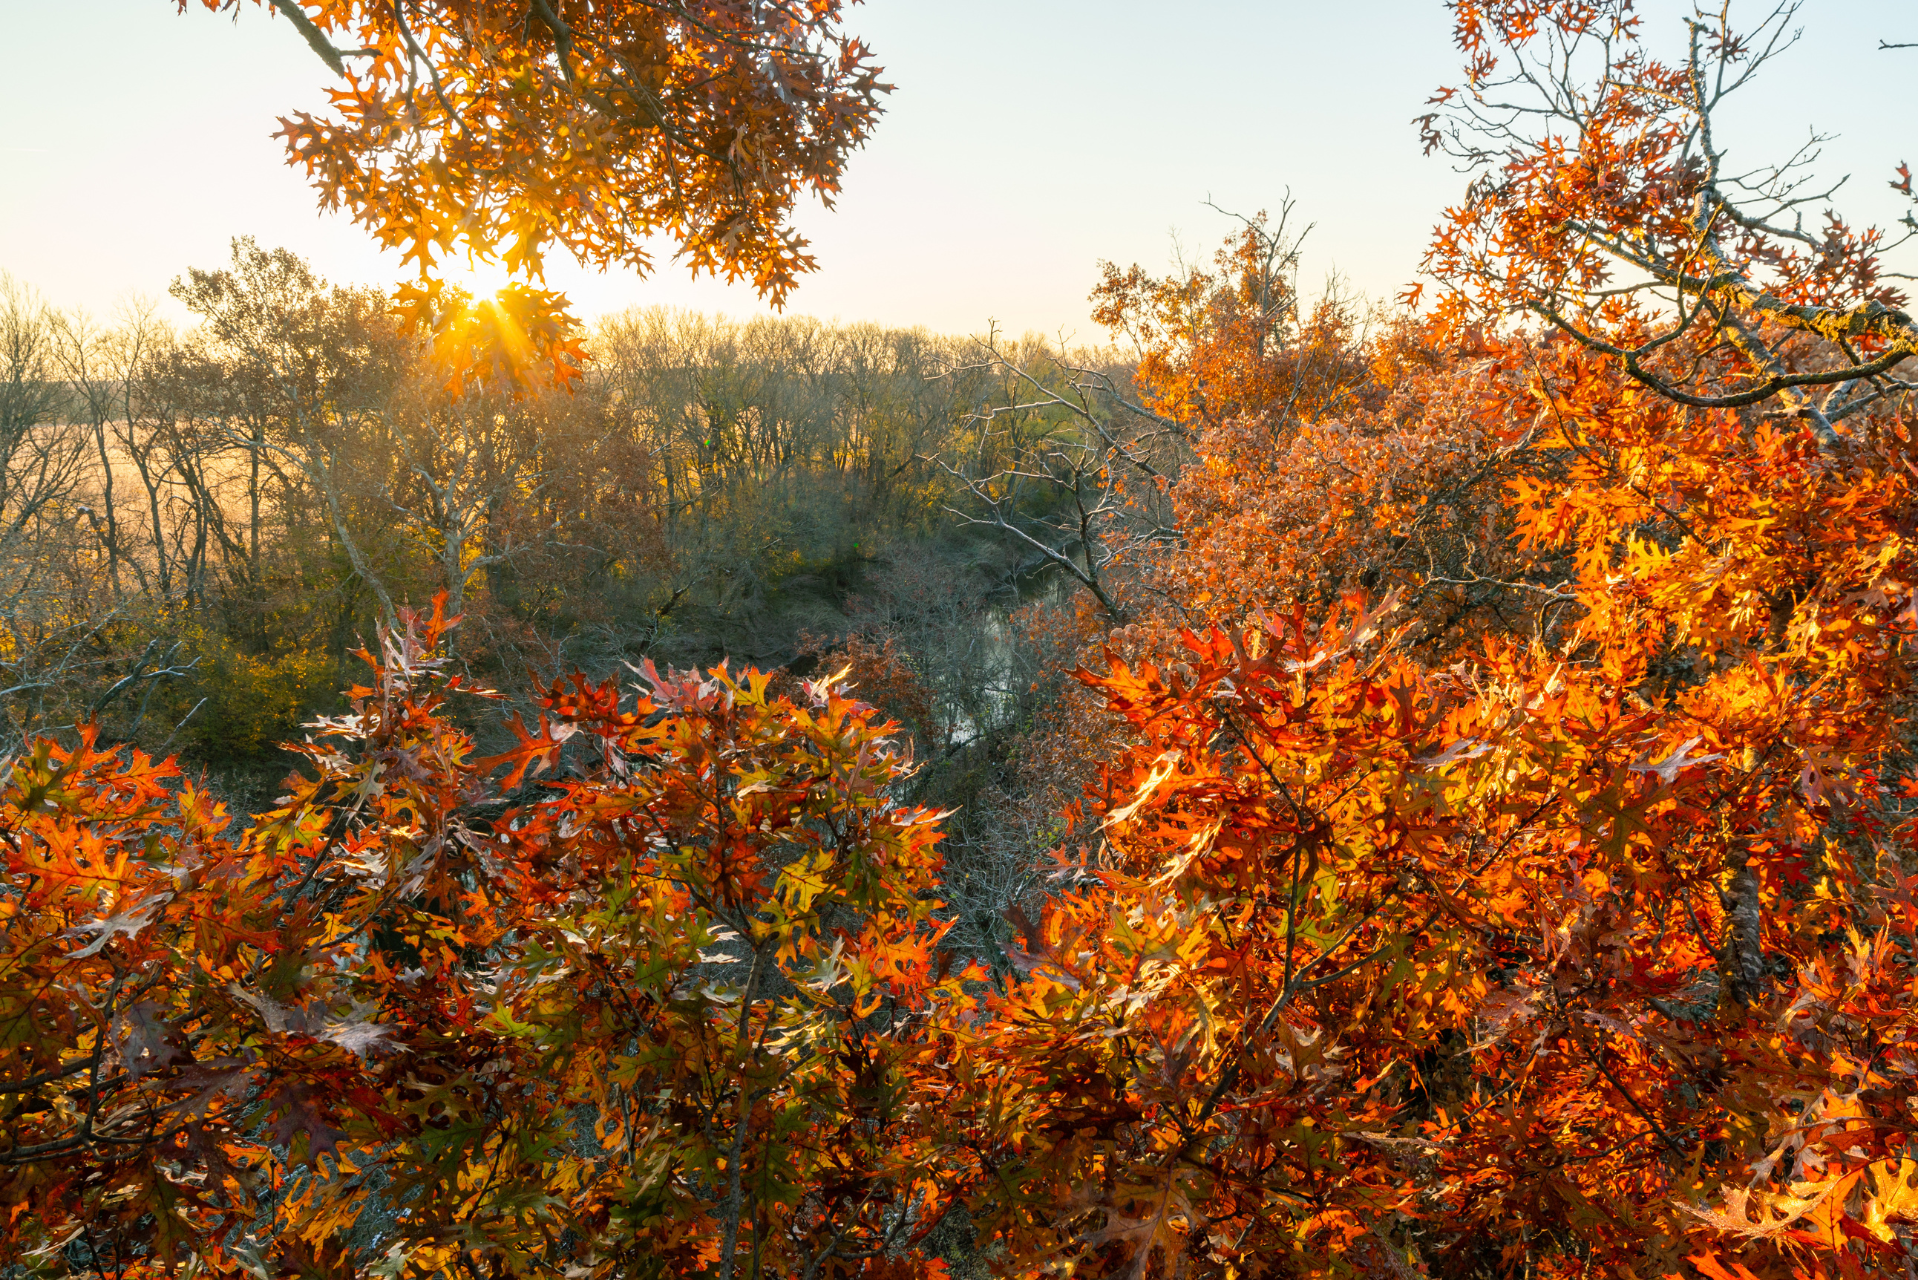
x=505 y=129
x=1432 y=796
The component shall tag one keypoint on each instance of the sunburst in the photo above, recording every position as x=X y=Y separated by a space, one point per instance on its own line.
x=480 y=277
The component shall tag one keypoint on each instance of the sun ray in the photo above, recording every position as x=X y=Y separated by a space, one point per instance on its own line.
x=478 y=277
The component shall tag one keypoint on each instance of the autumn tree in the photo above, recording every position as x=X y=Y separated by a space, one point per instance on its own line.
x=508 y=130
x=1552 y=914
x=1234 y=339
x=655 y=1014
x=1608 y=209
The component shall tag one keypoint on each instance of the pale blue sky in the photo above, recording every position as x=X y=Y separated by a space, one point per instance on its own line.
x=1025 y=142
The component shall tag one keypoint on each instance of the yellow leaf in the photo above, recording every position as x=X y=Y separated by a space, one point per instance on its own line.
x=1893 y=1197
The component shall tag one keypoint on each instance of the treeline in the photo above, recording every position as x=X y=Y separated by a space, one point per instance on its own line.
x=201 y=526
